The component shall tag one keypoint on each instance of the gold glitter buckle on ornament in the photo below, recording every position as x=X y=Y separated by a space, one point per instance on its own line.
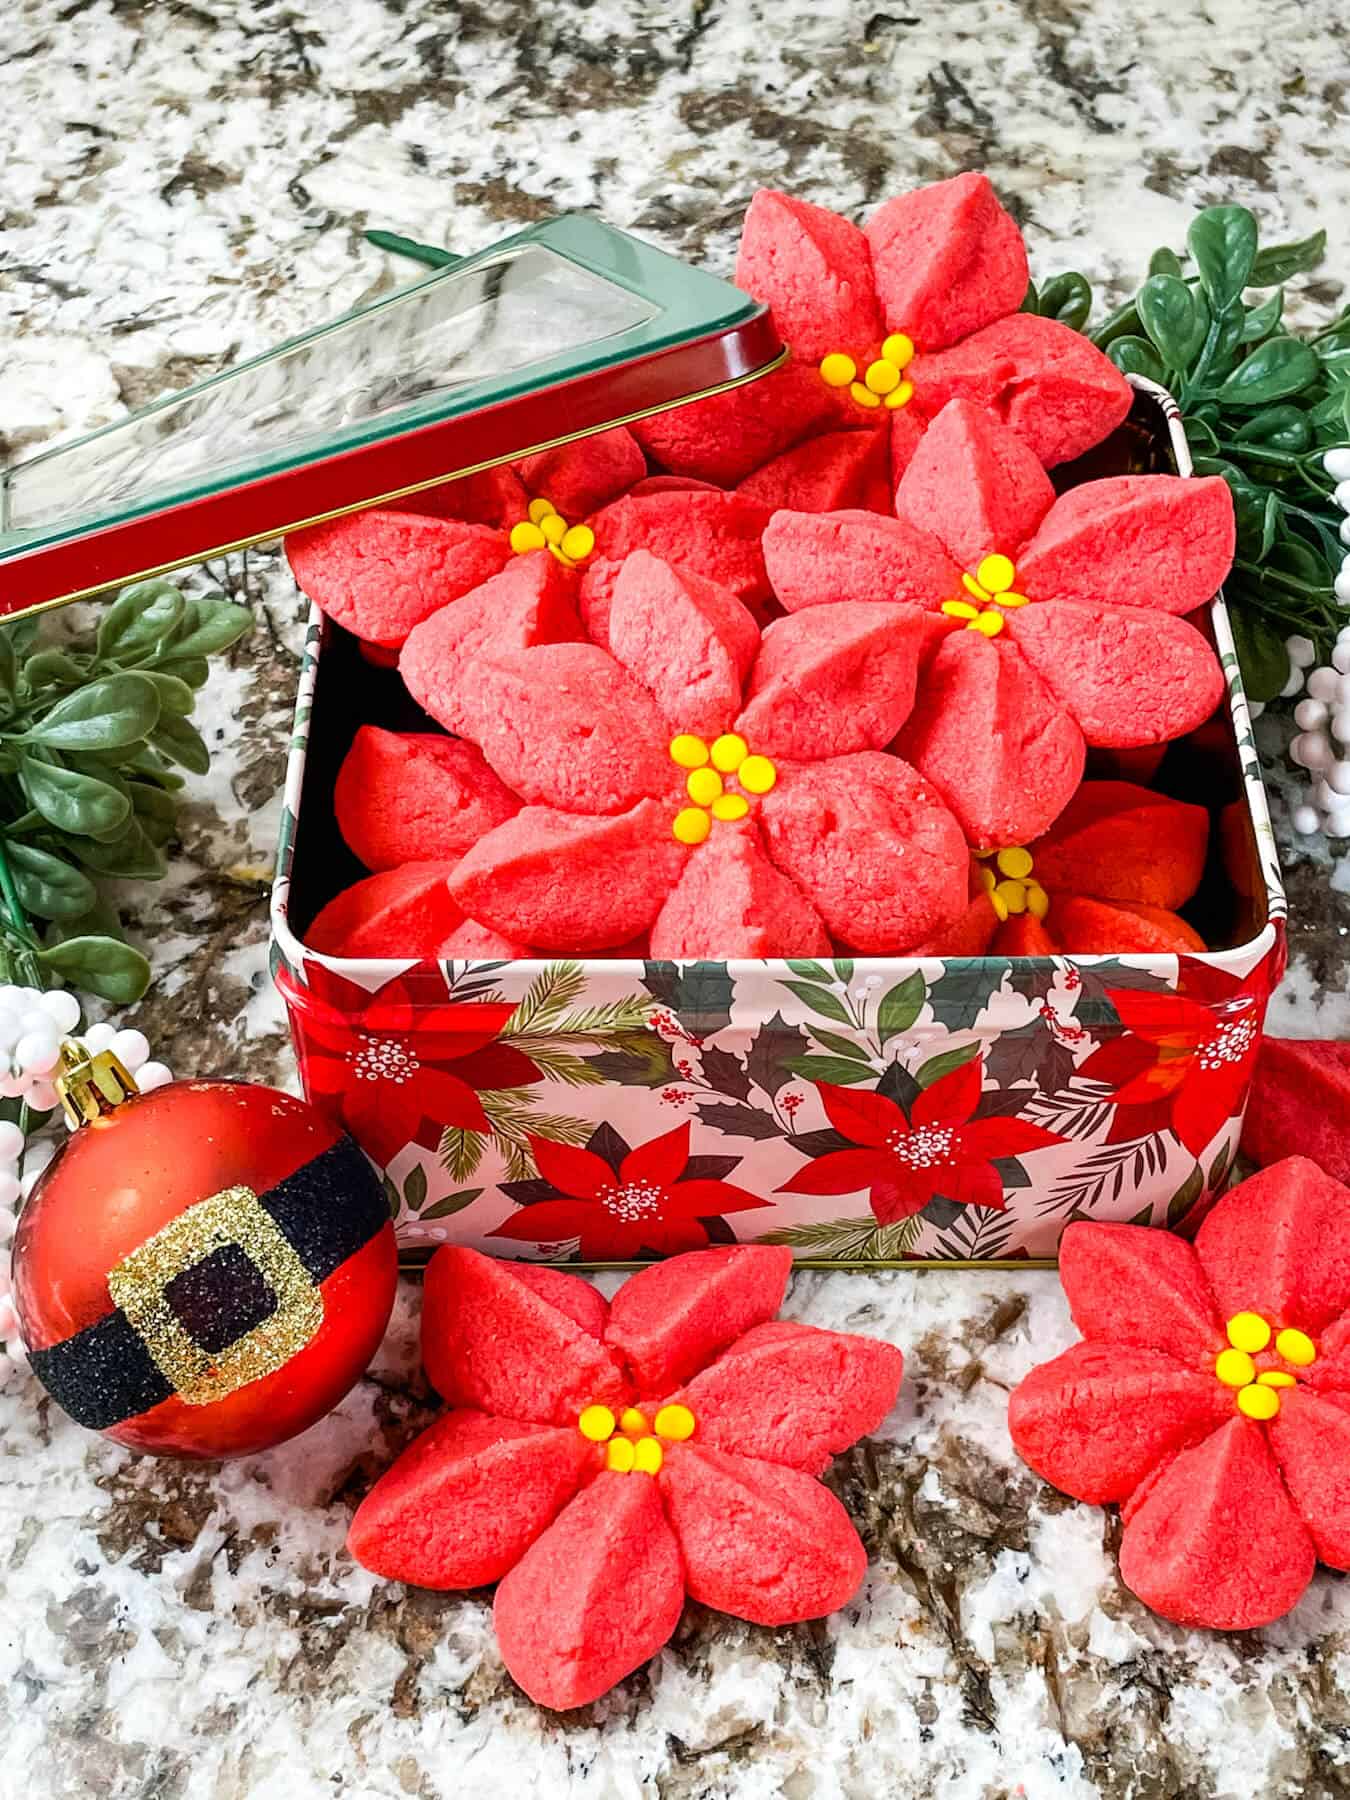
x=233 y=1217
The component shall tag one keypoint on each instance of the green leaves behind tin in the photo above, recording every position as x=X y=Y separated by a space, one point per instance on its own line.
x=93 y=729
x=1261 y=406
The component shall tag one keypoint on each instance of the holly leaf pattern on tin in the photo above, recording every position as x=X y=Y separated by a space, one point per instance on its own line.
x=699 y=994
x=772 y=1050
x=961 y=995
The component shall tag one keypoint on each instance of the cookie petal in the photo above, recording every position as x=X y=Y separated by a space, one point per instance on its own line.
x=688 y=641
x=1129 y=1284
x=466 y=1500
x=671 y=1319
x=571 y=883
x=403 y=912
x=815 y=559
x=1310 y=1438
x=975 y=485
x=1216 y=1541
x=1044 y=381
x=380 y=572
x=1279 y=1245
x=1127 y=676
x=593 y=1598
x=975 y=692
x=759 y=1541
x=402 y=795
x=715 y=533
x=564 y=725
x=730 y=901
x=724 y=438
x=1134 y=540
x=841 y=470
x=814 y=269
x=528 y=603
x=1105 y=928
x=578 y=478
x=833 y=827
x=1117 y=841
x=832 y=680
x=1097 y=1420
x=793 y=1394
x=947 y=260
x=500 y=1344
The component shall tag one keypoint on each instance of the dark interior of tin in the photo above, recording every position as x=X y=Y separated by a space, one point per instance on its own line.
x=1229 y=908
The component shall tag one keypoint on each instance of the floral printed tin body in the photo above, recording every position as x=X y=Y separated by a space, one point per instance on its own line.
x=861 y=1110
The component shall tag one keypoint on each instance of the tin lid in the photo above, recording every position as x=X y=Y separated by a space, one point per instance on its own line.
x=565 y=329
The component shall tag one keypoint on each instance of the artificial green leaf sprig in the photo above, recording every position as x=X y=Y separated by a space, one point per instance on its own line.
x=92 y=732
x=1262 y=408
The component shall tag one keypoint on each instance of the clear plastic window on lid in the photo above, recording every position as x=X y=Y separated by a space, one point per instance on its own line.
x=566 y=329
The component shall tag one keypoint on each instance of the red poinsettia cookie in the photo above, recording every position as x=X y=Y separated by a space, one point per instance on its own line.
x=886 y=325
x=1210 y=1397
x=602 y=1461
x=1058 y=621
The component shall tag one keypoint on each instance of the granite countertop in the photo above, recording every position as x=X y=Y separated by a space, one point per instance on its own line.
x=185 y=183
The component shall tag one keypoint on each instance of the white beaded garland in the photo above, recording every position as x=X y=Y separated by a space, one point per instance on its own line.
x=1301 y=650
x=1310 y=750
x=1337 y=463
x=131 y=1048
x=1306 y=820
x=1309 y=714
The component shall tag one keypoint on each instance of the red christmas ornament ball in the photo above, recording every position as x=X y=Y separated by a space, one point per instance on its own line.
x=205 y=1270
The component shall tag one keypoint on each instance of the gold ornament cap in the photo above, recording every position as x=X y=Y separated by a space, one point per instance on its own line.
x=90 y=1084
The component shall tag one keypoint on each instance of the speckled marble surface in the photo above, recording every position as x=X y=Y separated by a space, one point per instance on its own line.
x=184 y=183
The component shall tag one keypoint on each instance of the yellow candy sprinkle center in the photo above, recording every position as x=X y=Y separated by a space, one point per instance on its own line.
x=1248 y=1331
x=620 y=1455
x=639 y=1448
x=1258 y=1402
x=692 y=825
x=1017 y=891
x=880 y=381
x=1248 y=1334
x=757 y=774
x=675 y=1422
x=729 y=752
x=648 y=1455
x=1296 y=1347
x=991 y=588
x=688 y=751
x=730 y=807
x=898 y=349
x=704 y=786
x=545 y=529
x=709 y=770
x=1234 y=1368
x=596 y=1423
